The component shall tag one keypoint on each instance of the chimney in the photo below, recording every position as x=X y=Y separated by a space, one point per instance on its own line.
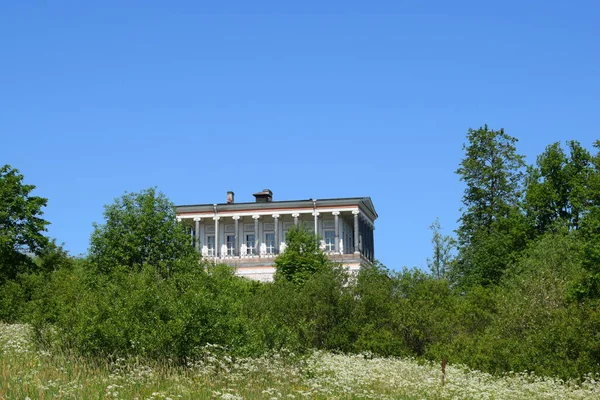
x=266 y=196
x=230 y=196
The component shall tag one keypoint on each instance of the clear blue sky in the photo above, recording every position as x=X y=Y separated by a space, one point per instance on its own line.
x=316 y=99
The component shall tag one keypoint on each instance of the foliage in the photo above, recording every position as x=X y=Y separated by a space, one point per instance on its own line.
x=26 y=255
x=377 y=327
x=492 y=172
x=425 y=309
x=13 y=297
x=52 y=258
x=443 y=246
x=272 y=327
x=558 y=186
x=492 y=251
x=325 y=309
x=20 y=222
x=491 y=219
x=141 y=313
x=534 y=325
x=301 y=258
x=322 y=316
x=522 y=294
x=141 y=229
x=589 y=285
x=17 y=295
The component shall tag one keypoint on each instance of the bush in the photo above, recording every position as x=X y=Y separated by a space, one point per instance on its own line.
x=144 y=314
x=534 y=325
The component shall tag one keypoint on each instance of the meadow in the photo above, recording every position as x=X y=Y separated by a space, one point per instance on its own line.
x=512 y=302
x=28 y=372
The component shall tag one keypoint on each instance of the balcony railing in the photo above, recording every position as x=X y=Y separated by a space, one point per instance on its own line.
x=264 y=255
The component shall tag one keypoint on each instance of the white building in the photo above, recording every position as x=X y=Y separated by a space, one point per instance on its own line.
x=250 y=235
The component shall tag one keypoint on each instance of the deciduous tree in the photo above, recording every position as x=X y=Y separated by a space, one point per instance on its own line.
x=21 y=224
x=443 y=245
x=558 y=187
x=302 y=257
x=141 y=229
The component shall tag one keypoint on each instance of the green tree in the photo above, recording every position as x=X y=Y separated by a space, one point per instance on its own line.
x=141 y=229
x=492 y=172
x=376 y=313
x=424 y=310
x=558 y=187
x=594 y=179
x=537 y=327
x=21 y=225
x=589 y=233
x=443 y=245
x=302 y=257
x=492 y=219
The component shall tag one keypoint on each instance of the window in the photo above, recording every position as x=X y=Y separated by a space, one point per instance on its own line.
x=230 y=245
x=270 y=242
x=309 y=226
x=329 y=240
x=250 y=243
x=210 y=243
x=348 y=241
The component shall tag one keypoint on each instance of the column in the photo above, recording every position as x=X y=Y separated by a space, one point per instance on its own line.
x=356 y=212
x=236 y=250
x=316 y=215
x=366 y=240
x=256 y=239
x=216 y=236
x=336 y=216
x=295 y=215
x=276 y=219
x=361 y=236
x=197 y=244
x=372 y=242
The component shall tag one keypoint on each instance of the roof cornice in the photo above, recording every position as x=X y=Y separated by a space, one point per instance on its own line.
x=364 y=203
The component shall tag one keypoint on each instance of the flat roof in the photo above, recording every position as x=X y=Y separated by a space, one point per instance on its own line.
x=365 y=202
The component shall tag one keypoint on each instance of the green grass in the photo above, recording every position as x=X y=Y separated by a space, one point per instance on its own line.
x=29 y=373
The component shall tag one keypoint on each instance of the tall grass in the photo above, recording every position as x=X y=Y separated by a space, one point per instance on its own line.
x=26 y=372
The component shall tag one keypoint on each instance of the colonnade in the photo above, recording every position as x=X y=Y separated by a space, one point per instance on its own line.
x=359 y=242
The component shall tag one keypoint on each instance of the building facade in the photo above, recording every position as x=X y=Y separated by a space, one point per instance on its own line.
x=249 y=236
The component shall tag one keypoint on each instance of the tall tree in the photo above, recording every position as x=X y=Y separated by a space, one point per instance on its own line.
x=558 y=187
x=21 y=224
x=439 y=263
x=594 y=181
x=589 y=233
x=141 y=229
x=493 y=173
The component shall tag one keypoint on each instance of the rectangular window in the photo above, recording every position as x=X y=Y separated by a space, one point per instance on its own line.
x=250 y=243
x=210 y=243
x=230 y=245
x=270 y=242
x=309 y=226
x=329 y=240
x=348 y=239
